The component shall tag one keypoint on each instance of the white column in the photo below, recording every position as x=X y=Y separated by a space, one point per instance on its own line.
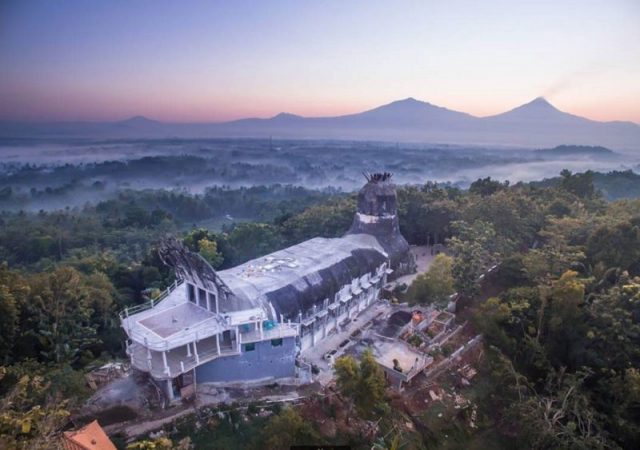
x=261 y=329
x=218 y=343
x=208 y=295
x=188 y=349
x=195 y=352
x=313 y=333
x=238 y=338
x=164 y=360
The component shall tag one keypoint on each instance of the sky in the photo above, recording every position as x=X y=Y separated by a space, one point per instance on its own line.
x=202 y=61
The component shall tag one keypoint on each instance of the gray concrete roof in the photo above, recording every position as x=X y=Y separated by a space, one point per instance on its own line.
x=295 y=278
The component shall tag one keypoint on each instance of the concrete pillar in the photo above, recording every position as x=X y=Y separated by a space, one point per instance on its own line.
x=195 y=352
x=208 y=295
x=188 y=349
x=261 y=329
x=164 y=361
x=218 y=343
x=169 y=391
x=238 y=339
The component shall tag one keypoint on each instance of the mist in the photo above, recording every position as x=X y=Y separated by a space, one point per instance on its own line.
x=53 y=174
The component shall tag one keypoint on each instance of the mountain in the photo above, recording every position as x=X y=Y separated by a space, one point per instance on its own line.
x=407 y=113
x=536 y=124
x=538 y=110
x=540 y=123
x=137 y=121
x=563 y=151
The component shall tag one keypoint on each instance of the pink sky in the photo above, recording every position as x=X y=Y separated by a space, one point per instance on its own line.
x=215 y=61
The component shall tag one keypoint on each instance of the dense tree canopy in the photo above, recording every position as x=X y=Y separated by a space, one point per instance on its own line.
x=561 y=326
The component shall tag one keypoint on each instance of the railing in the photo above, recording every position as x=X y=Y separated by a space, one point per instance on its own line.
x=151 y=303
x=176 y=365
x=204 y=329
x=282 y=330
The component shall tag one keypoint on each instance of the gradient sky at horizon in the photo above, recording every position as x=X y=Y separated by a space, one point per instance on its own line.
x=212 y=61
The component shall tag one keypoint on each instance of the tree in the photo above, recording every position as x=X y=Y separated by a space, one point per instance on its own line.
x=287 y=429
x=362 y=383
x=475 y=249
x=209 y=251
x=161 y=443
x=579 y=184
x=329 y=219
x=372 y=385
x=13 y=288
x=434 y=286
x=562 y=417
x=26 y=421
x=487 y=186
x=426 y=213
x=250 y=240
x=616 y=246
x=58 y=315
x=514 y=216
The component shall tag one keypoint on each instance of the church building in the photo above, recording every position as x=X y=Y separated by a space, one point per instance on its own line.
x=248 y=323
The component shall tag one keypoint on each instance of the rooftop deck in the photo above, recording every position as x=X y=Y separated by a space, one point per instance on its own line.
x=176 y=319
x=173 y=322
x=170 y=322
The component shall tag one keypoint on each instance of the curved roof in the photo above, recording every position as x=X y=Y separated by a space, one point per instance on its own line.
x=296 y=278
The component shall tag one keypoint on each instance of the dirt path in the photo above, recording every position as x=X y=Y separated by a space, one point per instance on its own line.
x=137 y=428
x=424 y=258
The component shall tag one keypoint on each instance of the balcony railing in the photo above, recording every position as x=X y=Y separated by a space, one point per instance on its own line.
x=204 y=329
x=177 y=362
x=151 y=304
x=282 y=330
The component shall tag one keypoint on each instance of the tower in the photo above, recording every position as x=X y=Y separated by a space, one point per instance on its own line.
x=377 y=215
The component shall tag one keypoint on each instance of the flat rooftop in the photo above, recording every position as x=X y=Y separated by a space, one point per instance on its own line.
x=179 y=318
x=385 y=352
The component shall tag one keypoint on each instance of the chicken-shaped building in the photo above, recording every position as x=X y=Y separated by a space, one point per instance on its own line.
x=250 y=322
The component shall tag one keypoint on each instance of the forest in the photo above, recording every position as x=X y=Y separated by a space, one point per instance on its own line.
x=56 y=174
x=561 y=326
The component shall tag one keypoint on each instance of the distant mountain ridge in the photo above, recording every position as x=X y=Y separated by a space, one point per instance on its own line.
x=535 y=124
x=576 y=150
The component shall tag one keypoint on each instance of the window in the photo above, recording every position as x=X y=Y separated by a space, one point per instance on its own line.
x=276 y=342
x=249 y=347
x=212 y=301
x=191 y=292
